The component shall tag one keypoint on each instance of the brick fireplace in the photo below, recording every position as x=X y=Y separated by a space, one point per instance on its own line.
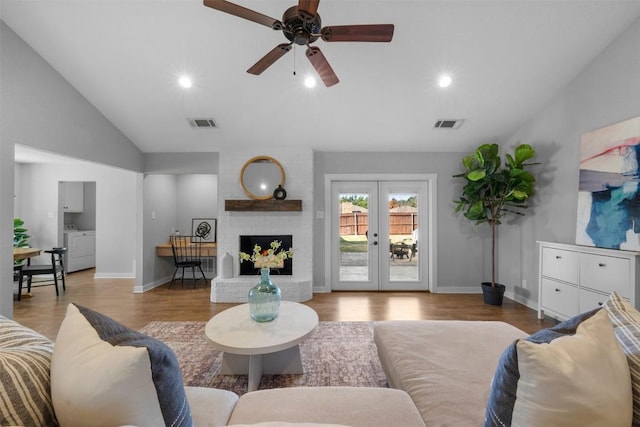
x=298 y=166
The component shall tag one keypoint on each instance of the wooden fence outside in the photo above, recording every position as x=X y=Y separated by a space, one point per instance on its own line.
x=357 y=223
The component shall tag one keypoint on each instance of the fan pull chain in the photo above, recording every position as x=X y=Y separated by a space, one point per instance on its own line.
x=294 y=60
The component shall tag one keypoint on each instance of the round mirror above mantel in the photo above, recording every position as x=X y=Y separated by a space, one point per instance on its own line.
x=260 y=176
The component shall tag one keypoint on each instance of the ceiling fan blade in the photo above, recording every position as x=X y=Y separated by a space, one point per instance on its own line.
x=358 y=33
x=307 y=9
x=243 y=12
x=322 y=66
x=271 y=57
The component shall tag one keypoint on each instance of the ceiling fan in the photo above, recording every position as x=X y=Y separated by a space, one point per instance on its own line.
x=302 y=25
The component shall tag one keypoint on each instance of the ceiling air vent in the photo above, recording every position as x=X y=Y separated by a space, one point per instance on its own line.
x=203 y=123
x=448 y=124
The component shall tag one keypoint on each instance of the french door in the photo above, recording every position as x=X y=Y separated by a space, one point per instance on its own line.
x=379 y=235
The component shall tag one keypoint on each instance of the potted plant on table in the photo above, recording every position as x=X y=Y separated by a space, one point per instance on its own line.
x=20 y=236
x=493 y=190
x=20 y=240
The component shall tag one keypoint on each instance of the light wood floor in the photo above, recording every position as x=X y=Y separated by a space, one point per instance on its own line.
x=44 y=312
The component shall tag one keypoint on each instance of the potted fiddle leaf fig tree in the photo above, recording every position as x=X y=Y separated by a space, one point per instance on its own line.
x=493 y=190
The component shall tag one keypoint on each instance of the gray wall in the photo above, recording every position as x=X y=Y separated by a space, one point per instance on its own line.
x=159 y=199
x=459 y=245
x=606 y=92
x=180 y=163
x=41 y=110
x=114 y=203
x=171 y=202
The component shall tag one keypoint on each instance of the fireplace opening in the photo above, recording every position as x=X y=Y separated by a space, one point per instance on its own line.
x=247 y=243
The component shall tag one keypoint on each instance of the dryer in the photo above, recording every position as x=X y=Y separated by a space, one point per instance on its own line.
x=81 y=248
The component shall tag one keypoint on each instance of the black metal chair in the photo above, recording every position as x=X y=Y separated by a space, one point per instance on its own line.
x=55 y=268
x=187 y=253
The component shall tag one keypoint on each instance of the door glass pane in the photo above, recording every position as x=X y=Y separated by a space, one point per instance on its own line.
x=403 y=237
x=354 y=227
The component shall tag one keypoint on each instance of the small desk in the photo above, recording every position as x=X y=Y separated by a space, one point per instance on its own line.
x=25 y=253
x=207 y=250
x=255 y=348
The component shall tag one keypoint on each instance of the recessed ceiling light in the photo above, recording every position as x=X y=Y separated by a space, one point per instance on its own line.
x=185 y=82
x=310 y=81
x=444 y=80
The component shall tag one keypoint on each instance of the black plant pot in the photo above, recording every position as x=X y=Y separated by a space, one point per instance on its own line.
x=492 y=295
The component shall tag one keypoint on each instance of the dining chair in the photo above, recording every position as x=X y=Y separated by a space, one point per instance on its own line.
x=55 y=268
x=187 y=253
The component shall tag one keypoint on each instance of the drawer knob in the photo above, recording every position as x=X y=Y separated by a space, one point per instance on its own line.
x=557 y=290
x=600 y=304
x=601 y=264
x=558 y=257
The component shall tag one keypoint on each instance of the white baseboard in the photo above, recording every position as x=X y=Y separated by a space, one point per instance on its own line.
x=148 y=286
x=524 y=301
x=458 y=290
x=114 y=276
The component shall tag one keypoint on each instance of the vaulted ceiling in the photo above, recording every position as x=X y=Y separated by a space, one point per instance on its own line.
x=507 y=60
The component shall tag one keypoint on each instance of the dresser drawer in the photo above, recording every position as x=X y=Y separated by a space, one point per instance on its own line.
x=560 y=264
x=559 y=297
x=605 y=274
x=590 y=300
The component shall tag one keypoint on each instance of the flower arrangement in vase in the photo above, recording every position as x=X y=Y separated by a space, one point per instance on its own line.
x=267 y=258
x=264 y=298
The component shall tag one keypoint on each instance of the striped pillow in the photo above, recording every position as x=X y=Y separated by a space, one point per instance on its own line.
x=626 y=323
x=25 y=360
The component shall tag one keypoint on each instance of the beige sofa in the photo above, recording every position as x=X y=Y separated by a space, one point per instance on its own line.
x=584 y=371
x=446 y=366
x=25 y=361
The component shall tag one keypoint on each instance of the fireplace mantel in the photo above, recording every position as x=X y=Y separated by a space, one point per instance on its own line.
x=263 y=205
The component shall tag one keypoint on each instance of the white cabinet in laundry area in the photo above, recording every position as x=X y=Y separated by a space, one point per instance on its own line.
x=72 y=196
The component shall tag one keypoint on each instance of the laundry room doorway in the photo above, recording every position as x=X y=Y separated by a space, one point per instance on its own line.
x=77 y=223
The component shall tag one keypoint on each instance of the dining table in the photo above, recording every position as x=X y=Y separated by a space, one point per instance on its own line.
x=25 y=253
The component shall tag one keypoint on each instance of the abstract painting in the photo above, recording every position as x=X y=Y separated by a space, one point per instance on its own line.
x=609 y=191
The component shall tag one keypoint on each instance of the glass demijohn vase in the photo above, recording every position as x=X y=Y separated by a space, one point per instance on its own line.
x=264 y=298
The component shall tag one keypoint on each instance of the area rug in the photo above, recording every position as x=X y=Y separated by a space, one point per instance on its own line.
x=336 y=354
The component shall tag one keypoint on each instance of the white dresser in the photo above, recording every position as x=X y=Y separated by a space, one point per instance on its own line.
x=574 y=279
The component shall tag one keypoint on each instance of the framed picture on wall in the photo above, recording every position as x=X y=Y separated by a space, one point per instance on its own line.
x=205 y=228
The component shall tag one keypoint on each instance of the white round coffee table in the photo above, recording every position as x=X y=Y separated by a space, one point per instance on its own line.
x=253 y=348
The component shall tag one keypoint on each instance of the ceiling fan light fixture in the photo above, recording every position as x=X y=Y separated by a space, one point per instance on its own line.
x=302 y=25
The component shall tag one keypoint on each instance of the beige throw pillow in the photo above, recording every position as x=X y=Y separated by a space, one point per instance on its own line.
x=576 y=380
x=104 y=374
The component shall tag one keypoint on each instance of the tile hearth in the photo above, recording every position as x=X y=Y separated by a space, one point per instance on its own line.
x=235 y=289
